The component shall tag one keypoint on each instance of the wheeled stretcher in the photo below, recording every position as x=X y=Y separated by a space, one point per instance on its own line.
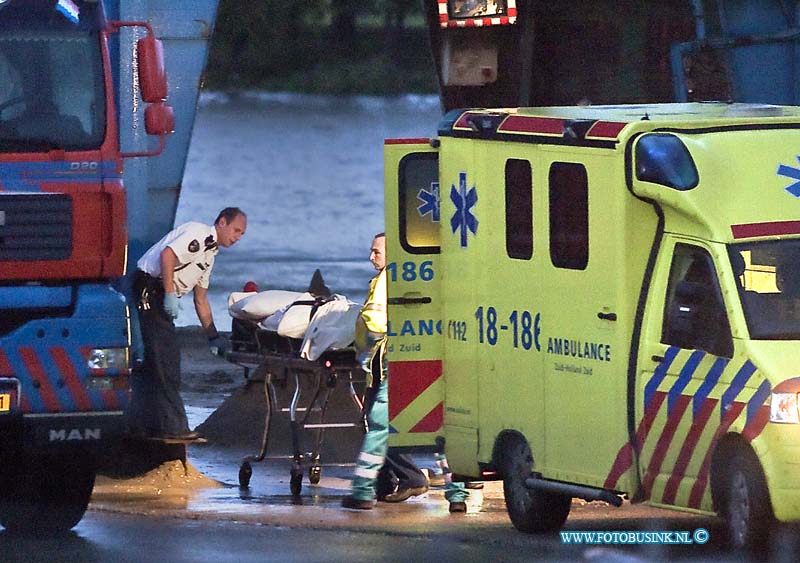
x=276 y=360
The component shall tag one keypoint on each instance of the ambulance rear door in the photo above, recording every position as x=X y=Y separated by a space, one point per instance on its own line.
x=416 y=388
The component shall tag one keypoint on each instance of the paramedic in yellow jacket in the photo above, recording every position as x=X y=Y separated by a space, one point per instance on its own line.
x=371 y=328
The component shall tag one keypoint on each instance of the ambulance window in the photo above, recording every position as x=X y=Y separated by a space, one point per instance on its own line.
x=418 y=202
x=695 y=316
x=569 y=216
x=519 y=209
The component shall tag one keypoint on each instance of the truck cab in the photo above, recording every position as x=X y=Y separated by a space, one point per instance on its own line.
x=615 y=290
x=64 y=328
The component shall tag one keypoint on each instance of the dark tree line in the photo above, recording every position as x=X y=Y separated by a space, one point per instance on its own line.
x=254 y=39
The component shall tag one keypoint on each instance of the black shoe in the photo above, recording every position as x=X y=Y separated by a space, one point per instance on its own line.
x=404 y=494
x=355 y=504
x=458 y=507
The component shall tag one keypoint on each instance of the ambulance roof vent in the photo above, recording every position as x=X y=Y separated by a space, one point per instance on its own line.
x=577 y=128
x=485 y=124
x=479 y=122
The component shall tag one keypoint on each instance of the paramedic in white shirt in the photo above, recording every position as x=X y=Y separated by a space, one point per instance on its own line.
x=179 y=263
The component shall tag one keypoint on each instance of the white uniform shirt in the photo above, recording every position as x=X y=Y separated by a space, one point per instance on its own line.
x=195 y=245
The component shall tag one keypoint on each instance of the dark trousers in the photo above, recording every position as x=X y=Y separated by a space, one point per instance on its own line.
x=398 y=472
x=156 y=407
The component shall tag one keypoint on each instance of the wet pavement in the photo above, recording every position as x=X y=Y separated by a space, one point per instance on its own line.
x=169 y=492
x=268 y=500
x=206 y=492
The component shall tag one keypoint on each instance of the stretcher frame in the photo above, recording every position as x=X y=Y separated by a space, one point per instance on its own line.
x=270 y=358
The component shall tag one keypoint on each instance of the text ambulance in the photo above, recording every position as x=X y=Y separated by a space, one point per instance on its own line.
x=603 y=302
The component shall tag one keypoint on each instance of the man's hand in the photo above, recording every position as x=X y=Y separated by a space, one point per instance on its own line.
x=217 y=346
x=172 y=305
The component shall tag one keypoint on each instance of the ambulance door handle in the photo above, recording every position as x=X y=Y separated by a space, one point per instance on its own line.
x=607 y=316
x=658 y=359
x=409 y=300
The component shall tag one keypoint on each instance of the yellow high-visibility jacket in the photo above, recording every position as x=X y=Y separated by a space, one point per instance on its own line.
x=371 y=325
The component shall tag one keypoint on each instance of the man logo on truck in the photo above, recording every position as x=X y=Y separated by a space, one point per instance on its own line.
x=75 y=434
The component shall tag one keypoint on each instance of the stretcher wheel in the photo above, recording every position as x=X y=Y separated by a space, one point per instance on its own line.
x=296 y=483
x=314 y=474
x=245 y=472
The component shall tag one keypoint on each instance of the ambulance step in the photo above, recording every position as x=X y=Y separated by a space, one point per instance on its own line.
x=578 y=491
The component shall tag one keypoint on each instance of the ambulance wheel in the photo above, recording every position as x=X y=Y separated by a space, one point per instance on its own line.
x=46 y=495
x=746 y=506
x=314 y=474
x=531 y=511
x=296 y=482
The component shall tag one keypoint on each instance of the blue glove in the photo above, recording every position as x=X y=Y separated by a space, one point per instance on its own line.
x=217 y=346
x=171 y=305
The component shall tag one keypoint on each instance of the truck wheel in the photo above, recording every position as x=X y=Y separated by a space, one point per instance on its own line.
x=530 y=511
x=46 y=496
x=747 y=509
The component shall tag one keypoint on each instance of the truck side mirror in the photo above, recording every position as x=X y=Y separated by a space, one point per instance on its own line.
x=152 y=73
x=159 y=119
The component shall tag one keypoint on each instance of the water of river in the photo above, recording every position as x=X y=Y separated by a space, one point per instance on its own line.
x=308 y=171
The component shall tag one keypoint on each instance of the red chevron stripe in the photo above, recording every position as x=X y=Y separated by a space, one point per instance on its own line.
x=621 y=464
x=685 y=455
x=5 y=366
x=533 y=125
x=664 y=442
x=71 y=379
x=756 y=426
x=625 y=455
x=699 y=487
x=45 y=388
x=605 y=130
x=650 y=416
x=110 y=399
x=408 y=380
x=432 y=421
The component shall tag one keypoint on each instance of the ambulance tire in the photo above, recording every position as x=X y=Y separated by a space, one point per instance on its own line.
x=531 y=511
x=746 y=507
x=47 y=495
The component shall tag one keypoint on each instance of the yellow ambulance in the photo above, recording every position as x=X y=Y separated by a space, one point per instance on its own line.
x=603 y=303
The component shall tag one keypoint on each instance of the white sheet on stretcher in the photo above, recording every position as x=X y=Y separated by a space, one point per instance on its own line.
x=332 y=328
x=257 y=306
